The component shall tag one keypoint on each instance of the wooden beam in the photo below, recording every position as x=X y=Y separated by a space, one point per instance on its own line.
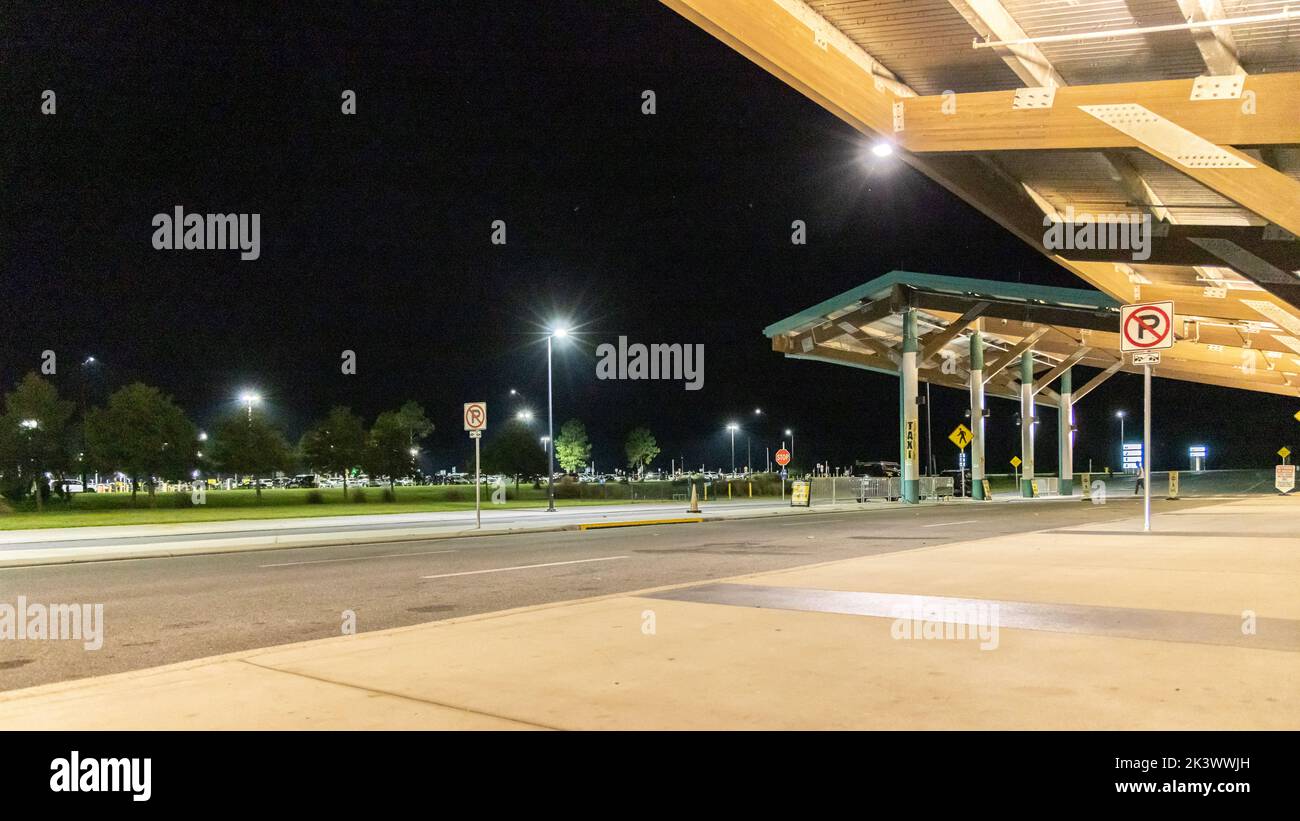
x=1093 y=383
x=993 y=22
x=1217 y=45
x=1013 y=353
x=987 y=120
x=1063 y=366
x=935 y=342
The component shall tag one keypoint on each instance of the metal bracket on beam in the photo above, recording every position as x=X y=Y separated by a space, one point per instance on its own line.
x=1168 y=138
x=1218 y=87
x=898 y=116
x=1042 y=97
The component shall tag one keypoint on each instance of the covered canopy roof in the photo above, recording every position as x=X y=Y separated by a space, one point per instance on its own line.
x=1056 y=112
x=1064 y=327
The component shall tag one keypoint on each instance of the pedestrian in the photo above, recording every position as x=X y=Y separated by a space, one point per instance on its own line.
x=1141 y=481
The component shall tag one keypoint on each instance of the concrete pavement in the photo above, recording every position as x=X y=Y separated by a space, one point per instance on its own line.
x=20 y=548
x=1107 y=628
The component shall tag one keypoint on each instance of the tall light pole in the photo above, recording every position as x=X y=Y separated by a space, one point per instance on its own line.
x=249 y=399
x=560 y=332
x=86 y=363
x=790 y=432
x=1120 y=415
x=733 y=428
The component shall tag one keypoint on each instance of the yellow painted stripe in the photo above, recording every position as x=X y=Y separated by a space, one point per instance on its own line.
x=638 y=523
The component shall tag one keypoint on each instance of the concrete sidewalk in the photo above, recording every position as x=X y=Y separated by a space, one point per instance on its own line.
x=1102 y=627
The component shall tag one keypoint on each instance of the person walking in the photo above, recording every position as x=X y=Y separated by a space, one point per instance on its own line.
x=1141 y=481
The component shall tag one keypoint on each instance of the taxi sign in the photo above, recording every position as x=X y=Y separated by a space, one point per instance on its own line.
x=961 y=436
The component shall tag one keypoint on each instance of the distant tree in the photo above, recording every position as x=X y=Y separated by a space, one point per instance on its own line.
x=250 y=446
x=388 y=449
x=513 y=451
x=35 y=434
x=337 y=443
x=414 y=422
x=142 y=433
x=641 y=449
x=572 y=449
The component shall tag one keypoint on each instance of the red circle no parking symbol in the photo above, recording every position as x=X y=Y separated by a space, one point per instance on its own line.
x=1147 y=326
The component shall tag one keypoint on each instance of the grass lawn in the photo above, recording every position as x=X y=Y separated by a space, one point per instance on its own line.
x=227 y=505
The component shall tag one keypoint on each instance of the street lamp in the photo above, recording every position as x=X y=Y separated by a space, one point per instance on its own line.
x=85 y=364
x=249 y=398
x=790 y=432
x=558 y=332
x=524 y=416
x=733 y=427
x=1120 y=416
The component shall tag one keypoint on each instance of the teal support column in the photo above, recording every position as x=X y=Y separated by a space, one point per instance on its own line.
x=1027 y=423
x=977 y=413
x=1065 y=471
x=909 y=383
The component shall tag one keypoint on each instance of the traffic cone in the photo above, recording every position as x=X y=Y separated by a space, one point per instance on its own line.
x=695 y=499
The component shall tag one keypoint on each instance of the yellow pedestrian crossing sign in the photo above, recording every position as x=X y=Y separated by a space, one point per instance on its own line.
x=1284 y=452
x=1297 y=416
x=1015 y=461
x=961 y=436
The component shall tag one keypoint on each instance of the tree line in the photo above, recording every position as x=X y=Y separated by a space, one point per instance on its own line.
x=142 y=433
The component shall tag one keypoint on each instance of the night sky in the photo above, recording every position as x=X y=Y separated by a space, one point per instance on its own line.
x=375 y=228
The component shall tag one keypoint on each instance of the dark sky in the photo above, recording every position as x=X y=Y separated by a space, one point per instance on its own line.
x=375 y=228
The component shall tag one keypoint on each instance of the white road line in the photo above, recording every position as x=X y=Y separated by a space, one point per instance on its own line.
x=521 y=567
x=359 y=558
x=948 y=524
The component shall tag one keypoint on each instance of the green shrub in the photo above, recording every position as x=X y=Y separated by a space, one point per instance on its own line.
x=314 y=497
x=388 y=495
x=359 y=496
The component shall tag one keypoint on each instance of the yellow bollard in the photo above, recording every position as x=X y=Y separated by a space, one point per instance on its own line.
x=751 y=489
x=728 y=490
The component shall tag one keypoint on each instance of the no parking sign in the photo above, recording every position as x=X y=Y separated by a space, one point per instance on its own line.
x=1146 y=327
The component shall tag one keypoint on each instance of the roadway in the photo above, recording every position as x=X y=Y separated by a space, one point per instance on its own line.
x=158 y=611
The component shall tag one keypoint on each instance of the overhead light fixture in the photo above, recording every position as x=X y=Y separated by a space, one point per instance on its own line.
x=882 y=149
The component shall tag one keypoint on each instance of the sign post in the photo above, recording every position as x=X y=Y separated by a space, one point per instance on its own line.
x=783 y=459
x=961 y=437
x=476 y=423
x=1145 y=330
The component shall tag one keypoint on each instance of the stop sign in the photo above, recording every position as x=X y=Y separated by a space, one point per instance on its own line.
x=783 y=457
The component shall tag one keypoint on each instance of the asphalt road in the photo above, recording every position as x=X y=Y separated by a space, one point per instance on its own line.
x=159 y=611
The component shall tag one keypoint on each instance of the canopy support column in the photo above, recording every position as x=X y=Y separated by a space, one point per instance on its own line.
x=908 y=379
x=1027 y=423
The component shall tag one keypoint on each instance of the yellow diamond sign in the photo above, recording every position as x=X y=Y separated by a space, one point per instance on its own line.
x=1284 y=452
x=1297 y=416
x=961 y=436
x=1015 y=461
